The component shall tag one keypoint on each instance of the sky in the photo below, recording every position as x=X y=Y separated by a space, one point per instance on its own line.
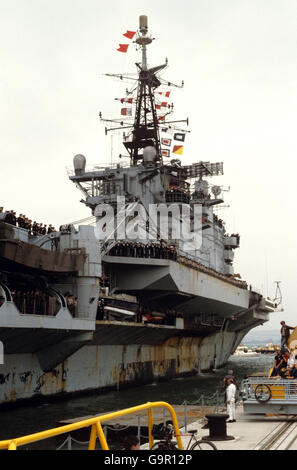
x=237 y=59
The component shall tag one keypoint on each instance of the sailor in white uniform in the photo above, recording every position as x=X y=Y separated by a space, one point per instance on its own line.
x=230 y=397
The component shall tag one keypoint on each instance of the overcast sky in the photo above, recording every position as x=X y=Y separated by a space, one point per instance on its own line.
x=238 y=61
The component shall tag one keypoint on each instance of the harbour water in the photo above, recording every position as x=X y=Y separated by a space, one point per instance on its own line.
x=22 y=420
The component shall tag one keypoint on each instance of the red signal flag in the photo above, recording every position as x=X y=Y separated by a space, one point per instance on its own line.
x=123 y=47
x=165 y=93
x=130 y=34
x=126 y=111
x=165 y=141
x=127 y=100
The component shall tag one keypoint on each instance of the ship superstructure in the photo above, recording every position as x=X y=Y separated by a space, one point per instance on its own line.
x=123 y=302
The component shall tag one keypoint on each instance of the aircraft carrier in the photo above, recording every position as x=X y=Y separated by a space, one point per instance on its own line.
x=122 y=301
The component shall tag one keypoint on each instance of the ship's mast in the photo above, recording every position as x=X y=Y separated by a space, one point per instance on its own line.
x=143 y=143
x=145 y=132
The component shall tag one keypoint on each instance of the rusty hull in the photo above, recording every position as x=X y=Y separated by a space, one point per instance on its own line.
x=105 y=367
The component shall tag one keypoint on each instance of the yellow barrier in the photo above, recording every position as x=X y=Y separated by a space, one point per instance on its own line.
x=96 y=428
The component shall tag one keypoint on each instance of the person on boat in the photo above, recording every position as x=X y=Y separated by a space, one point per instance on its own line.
x=230 y=399
x=278 y=361
x=293 y=372
x=285 y=333
x=282 y=368
x=295 y=352
x=286 y=372
x=291 y=360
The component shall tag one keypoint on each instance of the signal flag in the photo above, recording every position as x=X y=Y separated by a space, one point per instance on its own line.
x=165 y=141
x=126 y=111
x=178 y=149
x=179 y=136
x=123 y=47
x=165 y=153
x=130 y=34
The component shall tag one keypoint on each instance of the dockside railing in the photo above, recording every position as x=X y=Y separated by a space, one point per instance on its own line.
x=96 y=428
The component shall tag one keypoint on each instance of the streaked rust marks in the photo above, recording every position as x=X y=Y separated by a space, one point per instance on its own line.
x=96 y=367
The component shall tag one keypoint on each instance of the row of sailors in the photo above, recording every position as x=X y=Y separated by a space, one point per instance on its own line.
x=164 y=251
x=218 y=221
x=195 y=265
x=141 y=250
x=24 y=222
x=71 y=302
x=35 y=302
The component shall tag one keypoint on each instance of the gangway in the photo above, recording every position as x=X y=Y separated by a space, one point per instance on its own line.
x=262 y=395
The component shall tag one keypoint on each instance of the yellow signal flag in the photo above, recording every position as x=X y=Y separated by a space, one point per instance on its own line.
x=178 y=149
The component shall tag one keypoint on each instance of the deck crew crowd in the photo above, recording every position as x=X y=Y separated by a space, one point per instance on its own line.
x=142 y=250
x=35 y=301
x=24 y=222
x=39 y=302
x=285 y=364
x=164 y=251
x=71 y=302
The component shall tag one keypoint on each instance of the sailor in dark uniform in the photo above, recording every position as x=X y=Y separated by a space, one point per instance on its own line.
x=148 y=250
x=157 y=250
x=14 y=219
x=9 y=218
x=139 y=250
x=133 y=250
x=127 y=249
x=21 y=221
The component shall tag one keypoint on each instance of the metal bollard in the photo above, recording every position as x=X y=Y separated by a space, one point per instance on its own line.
x=217 y=427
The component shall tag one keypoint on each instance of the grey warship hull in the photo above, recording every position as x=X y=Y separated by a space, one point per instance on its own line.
x=46 y=356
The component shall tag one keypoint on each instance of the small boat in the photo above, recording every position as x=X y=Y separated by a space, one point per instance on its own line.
x=244 y=351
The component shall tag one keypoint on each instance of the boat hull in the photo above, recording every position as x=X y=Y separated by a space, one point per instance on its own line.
x=105 y=367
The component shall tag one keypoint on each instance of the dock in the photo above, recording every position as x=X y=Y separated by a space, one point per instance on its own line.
x=249 y=432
